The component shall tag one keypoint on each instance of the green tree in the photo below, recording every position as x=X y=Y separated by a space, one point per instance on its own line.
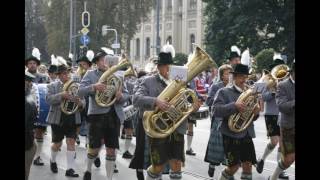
x=264 y=59
x=118 y=14
x=35 y=32
x=249 y=23
x=180 y=59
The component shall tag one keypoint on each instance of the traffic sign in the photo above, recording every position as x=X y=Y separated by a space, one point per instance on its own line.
x=85 y=40
x=115 y=46
x=84 y=31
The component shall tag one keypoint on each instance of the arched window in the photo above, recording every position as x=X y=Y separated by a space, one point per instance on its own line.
x=137 y=47
x=147 y=47
x=192 y=40
x=169 y=39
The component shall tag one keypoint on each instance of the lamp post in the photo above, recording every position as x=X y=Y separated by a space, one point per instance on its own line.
x=105 y=29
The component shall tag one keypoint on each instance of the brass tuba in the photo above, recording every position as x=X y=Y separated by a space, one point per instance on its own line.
x=69 y=106
x=113 y=83
x=159 y=124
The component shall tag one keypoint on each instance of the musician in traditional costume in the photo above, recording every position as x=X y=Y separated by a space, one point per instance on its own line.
x=238 y=146
x=63 y=124
x=166 y=149
x=103 y=122
x=271 y=112
x=285 y=99
x=215 y=153
x=32 y=64
x=234 y=56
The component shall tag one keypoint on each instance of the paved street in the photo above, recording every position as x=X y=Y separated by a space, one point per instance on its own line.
x=195 y=167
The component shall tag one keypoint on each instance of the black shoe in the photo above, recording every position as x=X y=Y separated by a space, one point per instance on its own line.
x=97 y=162
x=190 y=152
x=71 y=173
x=87 y=175
x=127 y=155
x=260 y=165
x=211 y=171
x=123 y=136
x=140 y=175
x=78 y=140
x=38 y=161
x=53 y=167
x=115 y=169
x=283 y=175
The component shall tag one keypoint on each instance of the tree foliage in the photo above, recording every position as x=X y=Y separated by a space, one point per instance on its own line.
x=180 y=59
x=249 y=23
x=264 y=59
x=121 y=15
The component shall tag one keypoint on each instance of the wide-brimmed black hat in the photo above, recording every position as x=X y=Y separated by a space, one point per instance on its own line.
x=98 y=55
x=164 y=58
x=28 y=76
x=85 y=59
x=240 y=69
x=32 y=58
x=62 y=68
x=233 y=55
x=52 y=69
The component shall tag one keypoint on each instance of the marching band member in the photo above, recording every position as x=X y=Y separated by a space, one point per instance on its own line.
x=271 y=118
x=170 y=148
x=238 y=147
x=285 y=99
x=62 y=124
x=103 y=122
x=32 y=64
x=30 y=117
x=214 y=153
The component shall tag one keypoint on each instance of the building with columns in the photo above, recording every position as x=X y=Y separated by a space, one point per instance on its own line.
x=181 y=23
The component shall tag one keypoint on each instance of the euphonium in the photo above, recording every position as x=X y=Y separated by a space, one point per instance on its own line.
x=159 y=124
x=240 y=121
x=69 y=106
x=113 y=83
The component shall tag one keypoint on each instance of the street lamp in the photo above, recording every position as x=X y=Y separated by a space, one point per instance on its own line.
x=105 y=29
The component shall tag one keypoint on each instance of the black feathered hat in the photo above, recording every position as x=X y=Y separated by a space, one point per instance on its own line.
x=164 y=58
x=240 y=69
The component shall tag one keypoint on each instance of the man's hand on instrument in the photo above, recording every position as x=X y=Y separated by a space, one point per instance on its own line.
x=163 y=105
x=66 y=95
x=99 y=87
x=196 y=106
x=240 y=106
x=77 y=100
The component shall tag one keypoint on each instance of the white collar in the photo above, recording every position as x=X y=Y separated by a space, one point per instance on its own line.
x=237 y=87
x=167 y=81
x=292 y=79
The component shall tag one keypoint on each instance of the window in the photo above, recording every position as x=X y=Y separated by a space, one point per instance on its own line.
x=169 y=39
x=192 y=4
x=192 y=40
x=148 y=47
x=169 y=5
x=137 y=47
